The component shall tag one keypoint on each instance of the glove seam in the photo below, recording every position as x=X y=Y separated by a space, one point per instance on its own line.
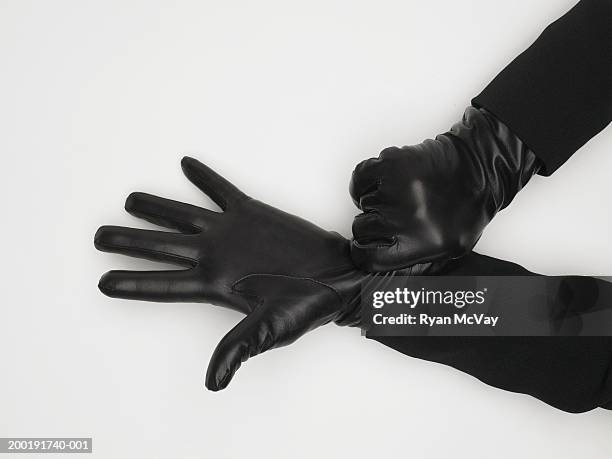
x=284 y=276
x=195 y=227
x=190 y=261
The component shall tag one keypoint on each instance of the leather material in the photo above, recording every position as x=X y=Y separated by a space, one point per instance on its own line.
x=428 y=203
x=285 y=273
x=289 y=276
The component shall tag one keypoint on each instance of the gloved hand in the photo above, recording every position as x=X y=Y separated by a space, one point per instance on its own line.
x=428 y=203
x=289 y=276
x=286 y=274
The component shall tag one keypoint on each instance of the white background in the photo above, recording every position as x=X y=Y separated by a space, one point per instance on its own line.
x=98 y=99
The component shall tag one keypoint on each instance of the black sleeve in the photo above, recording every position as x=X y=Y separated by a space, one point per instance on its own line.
x=557 y=94
x=573 y=374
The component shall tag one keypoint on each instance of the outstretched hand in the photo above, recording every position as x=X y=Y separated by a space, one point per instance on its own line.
x=288 y=275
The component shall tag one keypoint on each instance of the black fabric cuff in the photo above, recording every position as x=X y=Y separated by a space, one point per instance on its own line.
x=557 y=94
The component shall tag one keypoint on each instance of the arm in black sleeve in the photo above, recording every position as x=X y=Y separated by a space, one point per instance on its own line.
x=557 y=94
x=571 y=373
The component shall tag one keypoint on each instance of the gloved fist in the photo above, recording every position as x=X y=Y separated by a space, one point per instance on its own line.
x=428 y=203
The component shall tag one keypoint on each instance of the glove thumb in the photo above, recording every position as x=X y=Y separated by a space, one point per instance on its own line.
x=284 y=309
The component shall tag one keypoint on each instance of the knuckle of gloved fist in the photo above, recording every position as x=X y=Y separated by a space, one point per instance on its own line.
x=369 y=203
x=353 y=188
x=366 y=166
x=367 y=220
x=360 y=187
x=358 y=169
x=389 y=152
x=373 y=235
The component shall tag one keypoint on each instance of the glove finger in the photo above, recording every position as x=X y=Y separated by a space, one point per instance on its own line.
x=370 y=227
x=162 y=286
x=171 y=214
x=295 y=307
x=221 y=191
x=285 y=309
x=371 y=201
x=151 y=245
x=365 y=179
x=248 y=338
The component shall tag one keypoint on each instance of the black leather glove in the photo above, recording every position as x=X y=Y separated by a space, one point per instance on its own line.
x=427 y=203
x=289 y=276
x=286 y=274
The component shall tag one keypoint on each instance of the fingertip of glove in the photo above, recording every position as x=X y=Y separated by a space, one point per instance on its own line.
x=215 y=381
x=212 y=386
x=131 y=202
x=99 y=238
x=107 y=237
x=188 y=162
x=222 y=366
x=106 y=284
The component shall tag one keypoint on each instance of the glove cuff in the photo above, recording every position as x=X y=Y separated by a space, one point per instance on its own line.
x=503 y=162
x=519 y=162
